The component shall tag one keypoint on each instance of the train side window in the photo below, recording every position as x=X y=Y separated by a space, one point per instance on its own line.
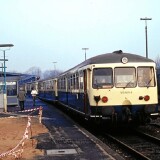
x=59 y=83
x=40 y=86
x=68 y=82
x=43 y=86
x=63 y=83
x=71 y=83
x=102 y=78
x=146 y=77
x=74 y=81
x=81 y=80
x=77 y=81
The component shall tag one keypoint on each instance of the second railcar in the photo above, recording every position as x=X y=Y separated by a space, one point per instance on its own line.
x=47 y=90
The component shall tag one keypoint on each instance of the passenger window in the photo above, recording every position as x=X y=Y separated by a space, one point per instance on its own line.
x=81 y=80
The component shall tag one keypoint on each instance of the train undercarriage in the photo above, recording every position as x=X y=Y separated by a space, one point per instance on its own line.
x=125 y=114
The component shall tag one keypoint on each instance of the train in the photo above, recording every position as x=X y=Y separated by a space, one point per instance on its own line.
x=116 y=87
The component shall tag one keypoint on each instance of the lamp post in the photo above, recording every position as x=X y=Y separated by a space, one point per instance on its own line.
x=54 y=68
x=146 y=19
x=85 y=51
x=4 y=70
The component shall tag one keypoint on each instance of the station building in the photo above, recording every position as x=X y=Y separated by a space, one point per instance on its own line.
x=13 y=81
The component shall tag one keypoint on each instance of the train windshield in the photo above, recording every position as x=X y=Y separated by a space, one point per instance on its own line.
x=125 y=77
x=102 y=78
x=146 y=77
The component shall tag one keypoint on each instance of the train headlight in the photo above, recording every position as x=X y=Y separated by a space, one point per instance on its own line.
x=104 y=99
x=146 y=98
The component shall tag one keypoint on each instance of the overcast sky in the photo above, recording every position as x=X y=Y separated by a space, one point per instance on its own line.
x=46 y=31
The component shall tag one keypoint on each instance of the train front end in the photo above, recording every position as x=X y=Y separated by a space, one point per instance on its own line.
x=124 y=91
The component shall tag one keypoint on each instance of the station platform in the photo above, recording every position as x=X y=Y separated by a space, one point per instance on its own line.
x=65 y=139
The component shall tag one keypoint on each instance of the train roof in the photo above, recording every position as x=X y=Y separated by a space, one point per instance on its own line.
x=114 y=57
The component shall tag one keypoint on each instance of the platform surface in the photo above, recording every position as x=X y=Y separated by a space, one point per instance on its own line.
x=65 y=140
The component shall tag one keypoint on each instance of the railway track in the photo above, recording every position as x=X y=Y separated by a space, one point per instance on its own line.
x=152 y=129
x=138 y=145
x=132 y=144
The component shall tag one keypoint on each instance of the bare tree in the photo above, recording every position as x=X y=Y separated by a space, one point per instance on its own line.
x=34 y=71
x=51 y=73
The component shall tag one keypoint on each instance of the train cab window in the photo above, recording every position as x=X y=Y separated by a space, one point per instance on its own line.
x=125 y=77
x=146 y=77
x=102 y=78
